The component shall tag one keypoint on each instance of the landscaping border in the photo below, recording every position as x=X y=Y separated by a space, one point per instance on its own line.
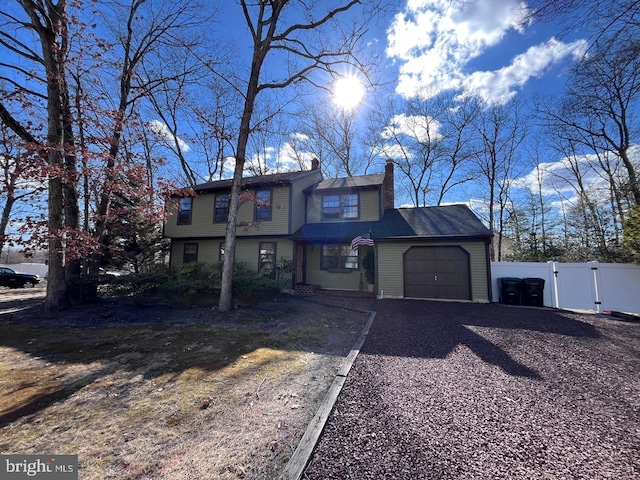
x=295 y=467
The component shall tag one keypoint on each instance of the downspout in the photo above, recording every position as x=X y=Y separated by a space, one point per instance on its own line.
x=489 y=278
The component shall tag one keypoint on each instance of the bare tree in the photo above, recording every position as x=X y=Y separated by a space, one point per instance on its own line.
x=21 y=178
x=300 y=38
x=50 y=25
x=501 y=130
x=604 y=19
x=87 y=118
x=597 y=113
x=430 y=140
x=195 y=113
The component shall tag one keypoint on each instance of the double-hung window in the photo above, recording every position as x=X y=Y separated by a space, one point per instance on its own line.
x=263 y=205
x=267 y=255
x=184 y=211
x=338 y=257
x=190 y=253
x=221 y=208
x=340 y=207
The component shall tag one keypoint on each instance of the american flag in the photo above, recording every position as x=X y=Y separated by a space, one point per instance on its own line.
x=360 y=240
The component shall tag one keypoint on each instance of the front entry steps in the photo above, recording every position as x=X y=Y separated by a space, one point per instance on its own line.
x=306 y=289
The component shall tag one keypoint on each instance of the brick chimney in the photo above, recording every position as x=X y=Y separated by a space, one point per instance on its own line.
x=315 y=164
x=387 y=185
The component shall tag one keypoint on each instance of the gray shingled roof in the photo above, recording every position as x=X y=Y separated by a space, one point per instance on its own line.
x=440 y=221
x=450 y=221
x=272 y=179
x=351 y=182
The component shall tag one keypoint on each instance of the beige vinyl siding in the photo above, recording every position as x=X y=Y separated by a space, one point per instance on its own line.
x=208 y=250
x=298 y=214
x=247 y=250
x=369 y=204
x=331 y=280
x=391 y=274
x=201 y=220
x=202 y=224
x=279 y=223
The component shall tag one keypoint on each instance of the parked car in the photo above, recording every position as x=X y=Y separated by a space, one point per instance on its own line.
x=11 y=279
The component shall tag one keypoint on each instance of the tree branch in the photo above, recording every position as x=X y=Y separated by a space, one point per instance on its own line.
x=17 y=127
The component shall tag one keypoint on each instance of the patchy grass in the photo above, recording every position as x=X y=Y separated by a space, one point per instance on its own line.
x=166 y=393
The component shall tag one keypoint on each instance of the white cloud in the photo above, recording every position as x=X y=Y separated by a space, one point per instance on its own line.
x=418 y=127
x=394 y=151
x=159 y=128
x=435 y=40
x=291 y=156
x=292 y=159
x=499 y=86
x=558 y=179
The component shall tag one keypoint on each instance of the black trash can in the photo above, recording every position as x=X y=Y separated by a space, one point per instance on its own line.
x=533 y=292
x=510 y=290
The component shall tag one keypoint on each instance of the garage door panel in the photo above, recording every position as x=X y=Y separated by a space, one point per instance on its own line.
x=437 y=272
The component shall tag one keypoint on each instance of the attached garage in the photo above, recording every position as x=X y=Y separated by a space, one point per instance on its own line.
x=437 y=272
x=433 y=253
x=427 y=252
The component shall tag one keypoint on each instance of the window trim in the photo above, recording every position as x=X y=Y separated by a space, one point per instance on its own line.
x=221 y=247
x=182 y=213
x=342 y=206
x=261 y=264
x=343 y=260
x=184 y=252
x=266 y=208
x=215 y=207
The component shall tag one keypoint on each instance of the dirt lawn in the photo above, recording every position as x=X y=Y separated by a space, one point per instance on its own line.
x=159 y=392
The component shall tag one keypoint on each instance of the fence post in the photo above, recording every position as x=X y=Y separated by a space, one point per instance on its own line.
x=594 y=270
x=554 y=278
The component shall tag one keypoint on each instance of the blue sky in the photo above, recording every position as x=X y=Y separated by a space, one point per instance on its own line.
x=477 y=47
x=471 y=47
x=481 y=48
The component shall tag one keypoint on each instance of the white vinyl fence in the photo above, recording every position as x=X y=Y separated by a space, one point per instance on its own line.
x=589 y=286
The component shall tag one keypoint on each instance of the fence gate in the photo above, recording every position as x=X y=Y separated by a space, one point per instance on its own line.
x=589 y=286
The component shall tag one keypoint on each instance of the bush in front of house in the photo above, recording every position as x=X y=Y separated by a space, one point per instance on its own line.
x=197 y=271
x=137 y=285
x=185 y=292
x=193 y=283
x=252 y=290
x=279 y=271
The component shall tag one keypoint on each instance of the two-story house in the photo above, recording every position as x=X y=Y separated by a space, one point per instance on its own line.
x=430 y=252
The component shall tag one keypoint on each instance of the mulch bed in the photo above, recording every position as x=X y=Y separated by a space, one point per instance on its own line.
x=467 y=391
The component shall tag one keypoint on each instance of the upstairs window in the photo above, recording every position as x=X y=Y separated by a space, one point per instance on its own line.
x=221 y=208
x=263 y=205
x=337 y=207
x=184 y=211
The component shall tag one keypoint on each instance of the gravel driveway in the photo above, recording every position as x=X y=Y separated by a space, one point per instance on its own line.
x=471 y=391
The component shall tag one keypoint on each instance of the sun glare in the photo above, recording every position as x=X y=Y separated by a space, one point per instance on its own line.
x=348 y=92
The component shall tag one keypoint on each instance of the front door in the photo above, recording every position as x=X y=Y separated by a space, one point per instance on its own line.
x=301 y=262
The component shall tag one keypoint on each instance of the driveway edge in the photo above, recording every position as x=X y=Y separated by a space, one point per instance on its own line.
x=298 y=462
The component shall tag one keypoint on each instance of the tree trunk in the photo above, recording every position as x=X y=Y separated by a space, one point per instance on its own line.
x=260 y=50
x=4 y=221
x=57 y=296
x=53 y=40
